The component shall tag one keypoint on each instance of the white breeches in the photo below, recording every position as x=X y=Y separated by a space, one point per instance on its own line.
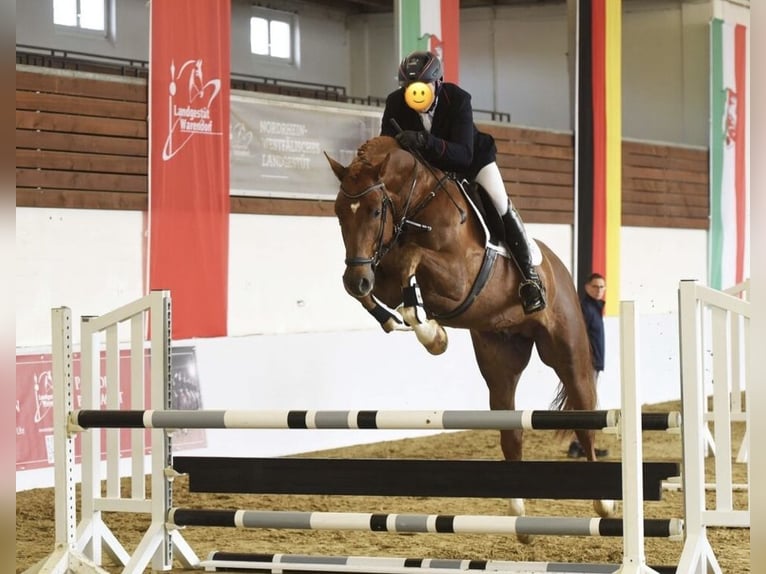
x=490 y=179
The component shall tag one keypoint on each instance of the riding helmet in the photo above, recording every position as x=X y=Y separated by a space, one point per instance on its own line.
x=420 y=67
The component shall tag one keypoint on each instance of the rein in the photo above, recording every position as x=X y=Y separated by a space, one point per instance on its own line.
x=381 y=248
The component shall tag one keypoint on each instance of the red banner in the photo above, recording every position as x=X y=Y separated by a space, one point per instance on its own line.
x=34 y=403
x=450 y=13
x=189 y=154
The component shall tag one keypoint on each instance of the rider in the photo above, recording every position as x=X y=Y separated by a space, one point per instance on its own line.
x=437 y=121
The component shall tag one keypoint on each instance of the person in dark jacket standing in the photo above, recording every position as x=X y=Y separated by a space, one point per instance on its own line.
x=592 y=304
x=436 y=119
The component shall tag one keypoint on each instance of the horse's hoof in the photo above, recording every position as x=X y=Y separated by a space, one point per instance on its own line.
x=437 y=348
x=604 y=508
x=438 y=345
x=390 y=325
x=525 y=538
x=516 y=508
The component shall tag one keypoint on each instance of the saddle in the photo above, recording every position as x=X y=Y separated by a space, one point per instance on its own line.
x=490 y=220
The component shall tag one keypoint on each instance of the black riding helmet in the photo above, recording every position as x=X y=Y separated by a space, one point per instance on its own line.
x=420 y=67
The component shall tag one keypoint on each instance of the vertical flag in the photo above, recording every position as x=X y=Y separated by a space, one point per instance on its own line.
x=189 y=161
x=434 y=26
x=728 y=153
x=598 y=144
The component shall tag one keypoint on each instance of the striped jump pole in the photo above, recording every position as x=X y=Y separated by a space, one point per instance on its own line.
x=422 y=523
x=347 y=419
x=227 y=561
x=362 y=419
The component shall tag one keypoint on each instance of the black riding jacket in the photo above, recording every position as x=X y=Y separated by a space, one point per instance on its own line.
x=454 y=144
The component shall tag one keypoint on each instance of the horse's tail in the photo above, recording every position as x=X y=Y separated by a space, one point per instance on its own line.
x=560 y=403
x=563 y=402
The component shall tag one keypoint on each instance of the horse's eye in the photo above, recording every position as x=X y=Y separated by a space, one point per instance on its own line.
x=376 y=213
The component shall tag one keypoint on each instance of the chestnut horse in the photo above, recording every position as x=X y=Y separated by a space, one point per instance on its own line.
x=413 y=241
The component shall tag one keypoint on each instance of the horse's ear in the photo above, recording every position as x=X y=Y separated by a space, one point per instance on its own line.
x=338 y=169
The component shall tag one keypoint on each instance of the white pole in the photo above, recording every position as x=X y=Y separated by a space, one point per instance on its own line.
x=697 y=556
x=66 y=557
x=634 y=557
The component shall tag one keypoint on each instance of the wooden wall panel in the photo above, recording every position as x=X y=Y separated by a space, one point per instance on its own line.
x=538 y=170
x=664 y=186
x=79 y=199
x=82 y=162
x=86 y=106
x=105 y=88
x=77 y=124
x=81 y=142
x=85 y=143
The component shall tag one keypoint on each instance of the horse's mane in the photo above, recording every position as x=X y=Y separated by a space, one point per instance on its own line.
x=370 y=153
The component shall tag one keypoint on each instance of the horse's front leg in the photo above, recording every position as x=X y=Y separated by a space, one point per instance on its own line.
x=428 y=331
x=387 y=320
x=501 y=359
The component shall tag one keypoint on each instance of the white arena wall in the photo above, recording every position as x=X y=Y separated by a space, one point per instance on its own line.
x=297 y=340
x=285 y=271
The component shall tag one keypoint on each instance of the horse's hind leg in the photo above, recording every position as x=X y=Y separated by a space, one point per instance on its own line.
x=566 y=350
x=501 y=359
x=569 y=355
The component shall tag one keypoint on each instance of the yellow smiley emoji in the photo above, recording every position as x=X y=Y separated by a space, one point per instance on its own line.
x=419 y=96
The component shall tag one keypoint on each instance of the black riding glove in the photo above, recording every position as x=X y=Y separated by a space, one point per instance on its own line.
x=412 y=140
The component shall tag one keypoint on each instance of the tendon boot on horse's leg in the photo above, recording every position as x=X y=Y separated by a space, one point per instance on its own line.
x=430 y=333
x=531 y=290
x=388 y=321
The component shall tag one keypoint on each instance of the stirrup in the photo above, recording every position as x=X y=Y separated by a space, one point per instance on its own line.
x=532 y=295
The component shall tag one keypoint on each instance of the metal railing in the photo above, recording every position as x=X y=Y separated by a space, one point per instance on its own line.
x=130 y=67
x=81 y=61
x=377 y=101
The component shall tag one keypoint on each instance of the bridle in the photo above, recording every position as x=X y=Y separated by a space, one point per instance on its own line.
x=407 y=219
x=382 y=248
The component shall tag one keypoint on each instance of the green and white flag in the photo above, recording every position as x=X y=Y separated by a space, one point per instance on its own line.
x=729 y=196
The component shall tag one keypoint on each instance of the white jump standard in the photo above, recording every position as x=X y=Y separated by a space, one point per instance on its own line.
x=79 y=547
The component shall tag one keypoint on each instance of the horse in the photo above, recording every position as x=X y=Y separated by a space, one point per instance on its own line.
x=413 y=242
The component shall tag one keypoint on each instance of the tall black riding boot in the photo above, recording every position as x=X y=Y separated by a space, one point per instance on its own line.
x=531 y=290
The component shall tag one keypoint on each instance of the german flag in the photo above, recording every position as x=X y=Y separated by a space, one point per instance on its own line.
x=598 y=144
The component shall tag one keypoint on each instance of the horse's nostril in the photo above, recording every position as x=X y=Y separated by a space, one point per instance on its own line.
x=364 y=285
